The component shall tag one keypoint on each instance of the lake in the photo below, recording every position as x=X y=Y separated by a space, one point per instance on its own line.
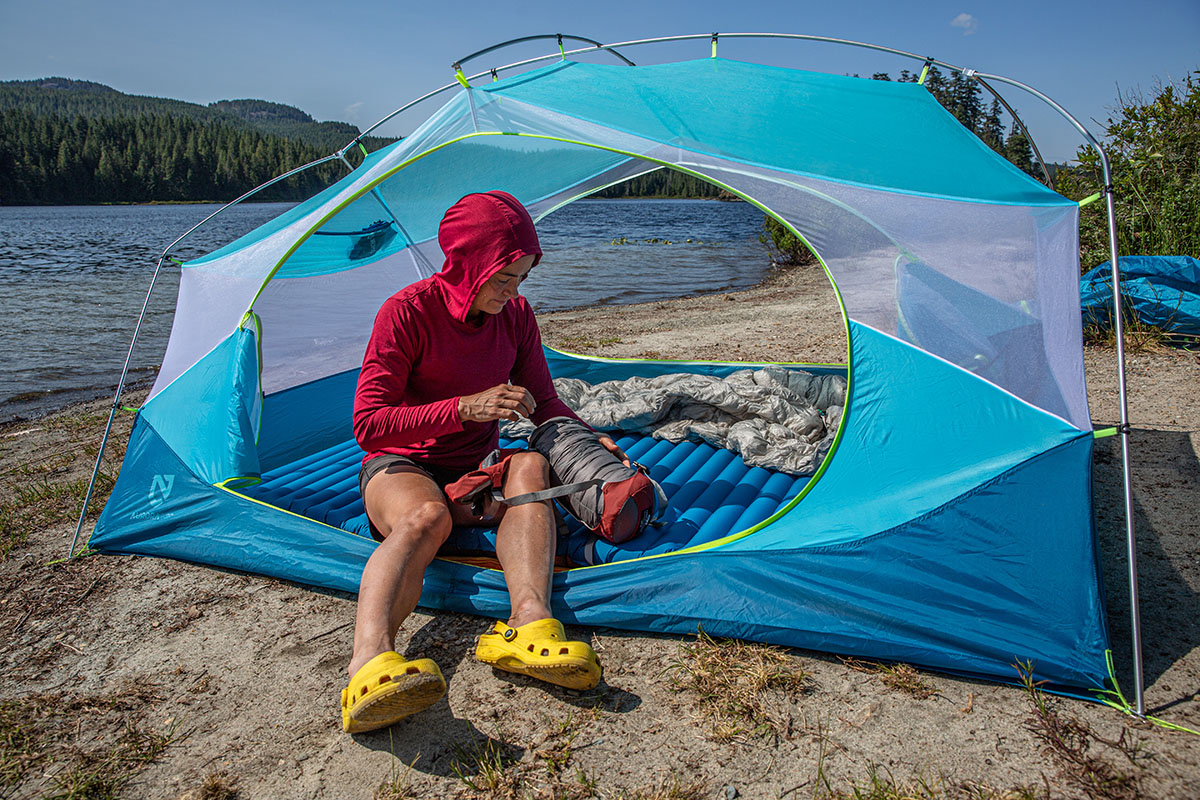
x=73 y=278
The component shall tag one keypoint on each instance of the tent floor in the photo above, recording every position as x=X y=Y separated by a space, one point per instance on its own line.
x=711 y=493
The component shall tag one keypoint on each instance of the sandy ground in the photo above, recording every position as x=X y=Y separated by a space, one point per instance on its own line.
x=238 y=676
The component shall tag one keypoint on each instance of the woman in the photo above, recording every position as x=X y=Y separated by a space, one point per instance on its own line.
x=448 y=358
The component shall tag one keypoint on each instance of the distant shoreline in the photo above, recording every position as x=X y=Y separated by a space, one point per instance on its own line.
x=296 y=202
x=777 y=277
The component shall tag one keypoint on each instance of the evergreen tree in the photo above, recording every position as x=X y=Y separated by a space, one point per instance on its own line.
x=992 y=129
x=965 y=104
x=662 y=182
x=936 y=83
x=1017 y=149
x=52 y=159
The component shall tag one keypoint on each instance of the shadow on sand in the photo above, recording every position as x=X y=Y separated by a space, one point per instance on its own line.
x=1164 y=465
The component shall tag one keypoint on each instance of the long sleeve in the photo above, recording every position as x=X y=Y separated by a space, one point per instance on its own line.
x=532 y=372
x=382 y=418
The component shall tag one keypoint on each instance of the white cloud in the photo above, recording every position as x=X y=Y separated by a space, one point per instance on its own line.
x=352 y=110
x=965 y=21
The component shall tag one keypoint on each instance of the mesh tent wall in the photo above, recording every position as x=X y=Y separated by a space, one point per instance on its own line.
x=951 y=525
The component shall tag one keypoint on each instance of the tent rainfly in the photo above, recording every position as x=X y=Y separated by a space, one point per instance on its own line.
x=951 y=524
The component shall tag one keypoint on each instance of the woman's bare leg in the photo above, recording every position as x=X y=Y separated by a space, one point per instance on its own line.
x=411 y=512
x=525 y=541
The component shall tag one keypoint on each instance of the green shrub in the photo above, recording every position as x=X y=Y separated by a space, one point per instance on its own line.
x=785 y=249
x=1153 y=145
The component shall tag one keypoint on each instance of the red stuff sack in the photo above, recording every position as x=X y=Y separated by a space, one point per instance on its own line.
x=591 y=483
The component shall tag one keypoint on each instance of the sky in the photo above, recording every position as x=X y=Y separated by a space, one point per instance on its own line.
x=359 y=62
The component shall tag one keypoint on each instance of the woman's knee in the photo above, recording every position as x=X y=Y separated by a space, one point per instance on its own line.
x=527 y=472
x=425 y=527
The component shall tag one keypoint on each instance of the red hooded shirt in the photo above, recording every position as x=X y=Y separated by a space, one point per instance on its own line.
x=423 y=354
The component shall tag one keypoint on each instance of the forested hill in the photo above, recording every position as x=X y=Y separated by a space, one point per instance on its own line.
x=72 y=98
x=69 y=141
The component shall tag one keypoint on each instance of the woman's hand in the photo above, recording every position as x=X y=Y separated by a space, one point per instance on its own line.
x=608 y=444
x=499 y=402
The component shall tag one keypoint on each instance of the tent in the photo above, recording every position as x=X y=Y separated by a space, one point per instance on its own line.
x=950 y=526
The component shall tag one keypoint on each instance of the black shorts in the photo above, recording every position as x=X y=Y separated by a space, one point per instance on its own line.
x=384 y=463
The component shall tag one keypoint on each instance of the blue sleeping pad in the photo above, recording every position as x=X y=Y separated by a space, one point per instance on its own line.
x=711 y=493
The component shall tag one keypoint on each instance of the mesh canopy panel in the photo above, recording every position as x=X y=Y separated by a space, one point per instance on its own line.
x=317 y=323
x=990 y=288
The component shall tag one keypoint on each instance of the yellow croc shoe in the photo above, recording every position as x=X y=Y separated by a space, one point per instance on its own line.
x=387 y=689
x=540 y=650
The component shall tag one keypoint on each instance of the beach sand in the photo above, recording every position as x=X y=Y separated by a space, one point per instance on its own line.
x=170 y=680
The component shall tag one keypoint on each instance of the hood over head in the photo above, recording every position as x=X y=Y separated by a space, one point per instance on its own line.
x=480 y=235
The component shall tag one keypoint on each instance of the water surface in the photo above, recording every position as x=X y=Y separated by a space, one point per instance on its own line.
x=73 y=278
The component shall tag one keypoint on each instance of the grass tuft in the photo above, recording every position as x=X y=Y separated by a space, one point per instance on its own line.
x=882 y=786
x=736 y=682
x=484 y=767
x=672 y=788
x=898 y=677
x=219 y=786
x=558 y=754
x=1070 y=741
x=40 y=736
x=42 y=486
x=581 y=344
x=20 y=747
x=101 y=773
x=396 y=787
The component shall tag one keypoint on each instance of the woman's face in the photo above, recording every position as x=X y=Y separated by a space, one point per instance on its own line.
x=500 y=288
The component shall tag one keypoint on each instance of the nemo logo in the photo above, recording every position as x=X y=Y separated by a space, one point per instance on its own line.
x=160 y=488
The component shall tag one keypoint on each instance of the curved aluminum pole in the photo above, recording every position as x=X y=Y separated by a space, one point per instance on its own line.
x=1084 y=132
x=87 y=497
x=1024 y=130
x=399 y=110
x=116 y=404
x=633 y=42
x=559 y=36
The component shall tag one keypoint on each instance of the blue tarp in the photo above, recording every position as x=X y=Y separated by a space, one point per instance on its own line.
x=1163 y=291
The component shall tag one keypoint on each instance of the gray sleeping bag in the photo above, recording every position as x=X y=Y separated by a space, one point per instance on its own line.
x=778 y=418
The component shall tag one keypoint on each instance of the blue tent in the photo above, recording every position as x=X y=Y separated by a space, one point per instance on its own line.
x=951 y=525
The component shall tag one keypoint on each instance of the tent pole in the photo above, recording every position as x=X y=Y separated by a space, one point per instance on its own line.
x=1024 y=130
x=87 y=497
x=116 y=404
x=559 y=36
x=1124 y=429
